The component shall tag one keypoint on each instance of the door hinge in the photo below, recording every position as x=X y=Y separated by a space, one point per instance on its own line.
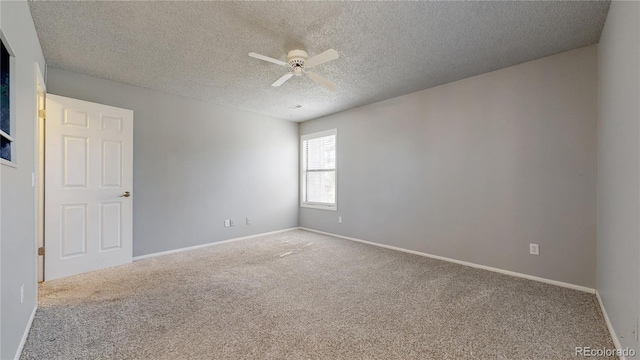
x=42 y=114
x=41 y=251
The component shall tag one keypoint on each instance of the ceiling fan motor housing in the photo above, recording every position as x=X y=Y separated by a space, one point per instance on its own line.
x=296 y=59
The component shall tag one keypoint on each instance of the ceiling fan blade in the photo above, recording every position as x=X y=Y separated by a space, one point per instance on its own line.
x=322 y=81
x=282 y=80
x=266 y=58
x=321 y=58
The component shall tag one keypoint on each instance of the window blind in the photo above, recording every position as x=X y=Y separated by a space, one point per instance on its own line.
x=320 y=170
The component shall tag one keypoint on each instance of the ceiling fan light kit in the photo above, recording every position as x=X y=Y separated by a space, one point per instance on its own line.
x=299 y=62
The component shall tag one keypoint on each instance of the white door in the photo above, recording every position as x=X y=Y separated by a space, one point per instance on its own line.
x=88 y=184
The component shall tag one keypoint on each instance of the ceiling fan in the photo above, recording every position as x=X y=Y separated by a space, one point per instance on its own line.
x=299 y=62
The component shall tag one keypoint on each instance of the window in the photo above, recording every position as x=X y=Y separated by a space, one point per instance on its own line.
x=6 y=140
x=318 y=182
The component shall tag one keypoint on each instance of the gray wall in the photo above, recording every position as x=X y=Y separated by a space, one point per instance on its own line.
x=619 y=168
x=196 y=164
x=477 y=169
x=18 y=239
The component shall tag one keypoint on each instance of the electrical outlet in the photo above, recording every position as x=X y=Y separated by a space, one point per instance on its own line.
x=227 y=223
x=230 y=222
x=534 y=249
x=248 y=221
x=339 y=219
x=22 y=294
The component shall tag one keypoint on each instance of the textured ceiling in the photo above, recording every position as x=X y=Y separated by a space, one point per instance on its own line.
x=199 y=49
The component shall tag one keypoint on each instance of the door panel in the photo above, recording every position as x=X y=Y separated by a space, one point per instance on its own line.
x=111 y=163
x=111 y=123
x=88 y=168
x=74 y=230
x=75 y=118
x=75 y=162
x=110 y=226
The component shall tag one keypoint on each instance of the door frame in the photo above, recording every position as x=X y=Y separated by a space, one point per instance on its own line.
x=38 y=174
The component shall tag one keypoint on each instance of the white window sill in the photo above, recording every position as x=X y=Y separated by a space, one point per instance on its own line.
x=320 y=207
x=8 y=163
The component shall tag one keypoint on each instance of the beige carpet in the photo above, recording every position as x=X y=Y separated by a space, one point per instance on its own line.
x=332 y=299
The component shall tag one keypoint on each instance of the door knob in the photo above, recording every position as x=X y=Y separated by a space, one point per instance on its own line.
x=126 y=194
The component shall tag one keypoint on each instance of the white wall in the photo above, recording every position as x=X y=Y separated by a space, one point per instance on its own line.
x=18 y=246
x=197 y=164
x=619 y=169
x=477 y=169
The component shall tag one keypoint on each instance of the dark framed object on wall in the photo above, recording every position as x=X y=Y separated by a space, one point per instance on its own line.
x=7 y=131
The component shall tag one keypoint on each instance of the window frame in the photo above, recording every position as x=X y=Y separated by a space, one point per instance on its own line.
x=11 y=136
x=315 y=205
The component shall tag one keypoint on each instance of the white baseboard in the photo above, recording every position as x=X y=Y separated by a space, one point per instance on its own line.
x=612 y=332
x=489 y=268
x=136 y=258
x=26 y=333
